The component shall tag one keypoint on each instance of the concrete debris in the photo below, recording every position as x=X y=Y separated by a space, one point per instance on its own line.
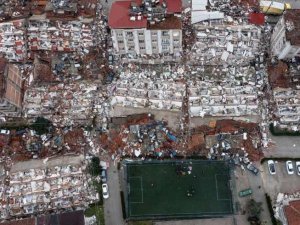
x=46 y=187
x=72 y=104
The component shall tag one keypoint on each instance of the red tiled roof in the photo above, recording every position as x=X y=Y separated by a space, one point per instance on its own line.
x=174 y=6
x=292 y=213
x=119 y=14
x=257 y=18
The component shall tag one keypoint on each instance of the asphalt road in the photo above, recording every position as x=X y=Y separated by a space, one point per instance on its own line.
x=112 y=205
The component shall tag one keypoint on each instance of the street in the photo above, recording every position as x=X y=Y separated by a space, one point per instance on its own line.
x=112 y=205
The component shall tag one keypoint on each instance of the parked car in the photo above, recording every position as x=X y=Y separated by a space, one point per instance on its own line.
x=105 y=191
x=110 y=59
x=7 y=132
x=103 y=175
x=298 y=167
x=252 y=169
x=289 y=167
x=271 y=166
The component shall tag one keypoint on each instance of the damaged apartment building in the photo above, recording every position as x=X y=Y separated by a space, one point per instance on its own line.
x=285 y=41
x=11 y=89
x=285 y=76
x=146 y=27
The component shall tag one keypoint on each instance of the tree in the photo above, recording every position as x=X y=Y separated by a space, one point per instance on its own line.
x=254 y=210
x=41 y=125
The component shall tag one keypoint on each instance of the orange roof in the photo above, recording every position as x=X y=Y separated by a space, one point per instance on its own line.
x=292 y=213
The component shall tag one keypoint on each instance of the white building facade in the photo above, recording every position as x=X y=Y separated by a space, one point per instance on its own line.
x=284 y=43
x=145 y=41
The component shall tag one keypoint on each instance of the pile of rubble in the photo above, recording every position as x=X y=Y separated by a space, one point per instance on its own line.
x=26 y=144
x=13 y=9
x=149 y=89
x=13 y=40
x=72 y=104
x=47 y=186
x=284 y=81
x=66 y=36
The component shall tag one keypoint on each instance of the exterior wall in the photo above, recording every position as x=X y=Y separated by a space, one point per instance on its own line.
x=280 y=46
x=14 y=86
x=143 y=41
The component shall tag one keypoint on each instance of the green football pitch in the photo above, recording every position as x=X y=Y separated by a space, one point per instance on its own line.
x=170 y=189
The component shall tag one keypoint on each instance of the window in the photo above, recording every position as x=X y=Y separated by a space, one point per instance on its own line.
x=141 y=33
x=120 y=41
x=120 y=34
x=141 y=41
x=130 y=39
x=165 y=33
x=142 y=47
x=165 y=41
x=130 y=34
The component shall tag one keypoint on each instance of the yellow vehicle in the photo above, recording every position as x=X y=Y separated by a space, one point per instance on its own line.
x=273 y=7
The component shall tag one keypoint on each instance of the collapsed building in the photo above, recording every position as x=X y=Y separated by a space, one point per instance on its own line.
x=46 y=186
x=286 y=208
x=141 y=90
x=285 y=83
x=13 y=40
x=223 y=34
x=58 y=35
x=66 y=104
x=146 y=28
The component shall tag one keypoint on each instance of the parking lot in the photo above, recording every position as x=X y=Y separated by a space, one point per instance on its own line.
x=281 y=181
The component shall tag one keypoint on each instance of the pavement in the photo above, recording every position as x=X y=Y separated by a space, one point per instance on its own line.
x=245 y=179
x=284 y=146
x=281 y=181
x=218 y=221
x=112 y=205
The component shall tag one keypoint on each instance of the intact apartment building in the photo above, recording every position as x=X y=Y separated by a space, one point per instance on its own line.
x=145 y=27
x=285 y=40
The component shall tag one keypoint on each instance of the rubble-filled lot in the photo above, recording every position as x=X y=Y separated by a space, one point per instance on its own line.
x=66 y=105
x=48 y=185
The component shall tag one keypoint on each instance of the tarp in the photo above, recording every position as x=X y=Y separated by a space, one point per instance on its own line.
x=199 y=4
x=198 y=16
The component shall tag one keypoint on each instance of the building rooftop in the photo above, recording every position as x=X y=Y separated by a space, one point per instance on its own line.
x=120 y=17
x=171 y=22
x=27 y=221
x=292 y=18
x=292 y=213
